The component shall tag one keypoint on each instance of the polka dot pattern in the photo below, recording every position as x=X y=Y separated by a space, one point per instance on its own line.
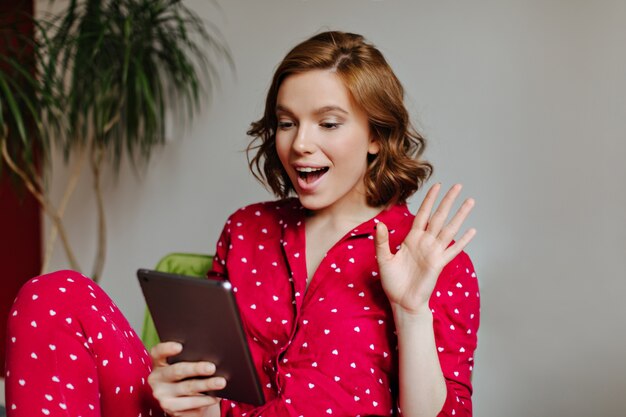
x=330 y=348
x=71 y=352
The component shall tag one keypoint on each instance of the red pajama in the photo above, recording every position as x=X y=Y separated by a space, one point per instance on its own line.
x=325 y=350
x=71 y=352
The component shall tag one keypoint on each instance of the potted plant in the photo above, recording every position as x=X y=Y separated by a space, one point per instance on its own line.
x=106 y=75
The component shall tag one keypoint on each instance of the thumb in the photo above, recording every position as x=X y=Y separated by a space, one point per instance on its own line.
x=381 y=241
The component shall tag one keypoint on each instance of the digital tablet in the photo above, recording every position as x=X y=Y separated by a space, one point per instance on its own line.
x=202 y=315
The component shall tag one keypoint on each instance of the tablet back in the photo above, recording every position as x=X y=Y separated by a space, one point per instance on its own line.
x=202 y=315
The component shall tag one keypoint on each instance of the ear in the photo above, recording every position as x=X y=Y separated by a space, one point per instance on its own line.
x=374 y=146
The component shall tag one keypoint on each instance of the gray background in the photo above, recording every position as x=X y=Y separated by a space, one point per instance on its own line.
x=522 y=101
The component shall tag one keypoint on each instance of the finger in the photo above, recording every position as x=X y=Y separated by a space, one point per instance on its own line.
x=381 y=241
x=423 y=213
x=192 y=387
x=452 y=228
x=459 y=245
x=162 y=351
x=184 y=370
x=177 y=404
x=440 y=215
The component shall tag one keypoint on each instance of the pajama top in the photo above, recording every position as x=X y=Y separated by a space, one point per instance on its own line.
x=330 y=349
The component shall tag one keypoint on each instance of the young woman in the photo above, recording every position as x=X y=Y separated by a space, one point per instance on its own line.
x=325 y=279
x=352 y=305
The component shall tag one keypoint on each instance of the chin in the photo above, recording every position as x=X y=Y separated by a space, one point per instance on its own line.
x=312 y=203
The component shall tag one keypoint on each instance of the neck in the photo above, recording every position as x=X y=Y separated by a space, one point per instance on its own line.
x=342 y=218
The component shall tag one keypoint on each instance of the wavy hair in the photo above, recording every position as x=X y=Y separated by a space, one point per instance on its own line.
x=396 y=171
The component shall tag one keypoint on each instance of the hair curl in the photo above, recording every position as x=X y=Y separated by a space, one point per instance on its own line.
x=396 y=171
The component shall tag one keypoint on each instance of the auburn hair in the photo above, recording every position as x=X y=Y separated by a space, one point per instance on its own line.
x=396 y=171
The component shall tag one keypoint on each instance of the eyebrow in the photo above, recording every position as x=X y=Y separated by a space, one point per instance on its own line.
x=321 y=110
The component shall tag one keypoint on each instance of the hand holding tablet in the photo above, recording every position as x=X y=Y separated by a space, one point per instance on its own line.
x=202 y=315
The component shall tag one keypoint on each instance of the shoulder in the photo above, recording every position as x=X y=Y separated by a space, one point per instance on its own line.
x=398 y=219
x=461 y=267
x=266 y=209
x=264 y=219
x=458 y=282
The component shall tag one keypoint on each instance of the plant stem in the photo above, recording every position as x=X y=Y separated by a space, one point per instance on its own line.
x=69 y=190
x=97 y=158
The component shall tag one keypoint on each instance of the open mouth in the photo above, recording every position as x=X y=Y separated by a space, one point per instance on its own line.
x=310 y=175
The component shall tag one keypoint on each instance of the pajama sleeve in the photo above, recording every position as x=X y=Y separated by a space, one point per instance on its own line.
x=456 y=311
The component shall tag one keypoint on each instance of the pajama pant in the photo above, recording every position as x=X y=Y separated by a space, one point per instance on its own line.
x=71 y=352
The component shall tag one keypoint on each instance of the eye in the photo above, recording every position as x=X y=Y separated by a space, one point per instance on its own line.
x=330 y=125
x=285 y=124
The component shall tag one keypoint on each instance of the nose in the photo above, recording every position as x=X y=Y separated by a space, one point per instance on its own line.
x=303 y=142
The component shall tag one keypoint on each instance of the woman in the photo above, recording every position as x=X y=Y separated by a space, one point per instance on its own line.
x=324 y=281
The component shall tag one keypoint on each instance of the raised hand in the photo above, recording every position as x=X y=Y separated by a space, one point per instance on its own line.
x=409 y=276
x=178 y=395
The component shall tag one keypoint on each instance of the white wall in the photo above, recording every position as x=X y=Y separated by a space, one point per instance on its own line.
x=523 y=102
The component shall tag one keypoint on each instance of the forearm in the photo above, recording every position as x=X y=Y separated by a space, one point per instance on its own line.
x=422 y=385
